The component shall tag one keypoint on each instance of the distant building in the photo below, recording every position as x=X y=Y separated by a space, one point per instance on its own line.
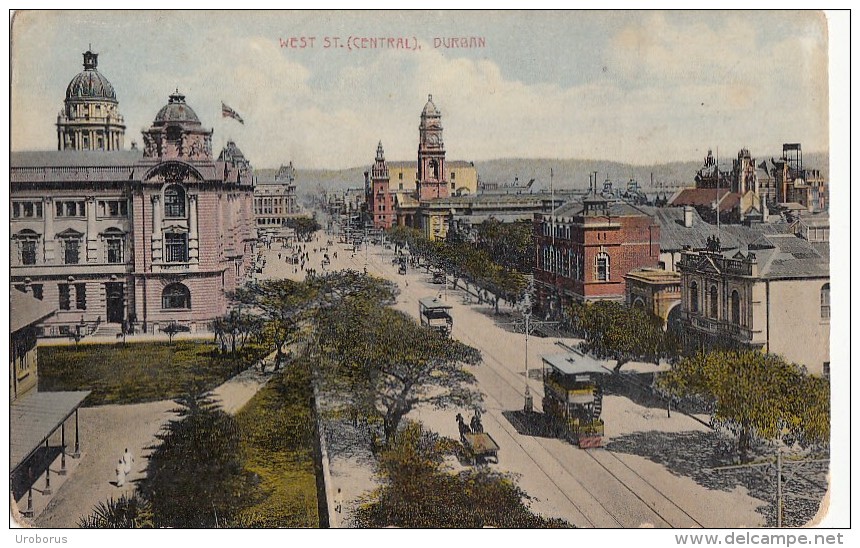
x=275 y=197
x=653 y=289
x=775 y=296
x=23 y=354
x=462 y=176
x=380 y=201
x=796 y=183
x=583 y=252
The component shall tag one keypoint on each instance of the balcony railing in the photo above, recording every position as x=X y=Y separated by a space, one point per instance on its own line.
x=720 y=327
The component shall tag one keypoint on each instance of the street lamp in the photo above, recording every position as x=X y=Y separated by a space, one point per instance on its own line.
x=528 y=404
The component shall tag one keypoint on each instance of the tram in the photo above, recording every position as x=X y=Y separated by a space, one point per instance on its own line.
x=434 y=313
x=573 y=397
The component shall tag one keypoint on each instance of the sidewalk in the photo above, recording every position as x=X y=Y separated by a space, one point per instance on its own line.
x=105 y=433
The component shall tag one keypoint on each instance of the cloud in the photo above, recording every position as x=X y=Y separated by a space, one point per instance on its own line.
x=672 y=85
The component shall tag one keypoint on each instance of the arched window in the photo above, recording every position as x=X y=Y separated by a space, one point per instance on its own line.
x=694 y=297
x=825 y=302
x=174 y=202
x=601 y=267
x=713 y=304
x=736 y=307
x=175 y=296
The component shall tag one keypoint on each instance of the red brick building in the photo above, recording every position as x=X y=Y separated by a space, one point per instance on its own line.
x=380 y=202
x=583 y=251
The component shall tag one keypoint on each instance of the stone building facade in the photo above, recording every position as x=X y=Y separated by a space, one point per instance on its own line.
x=142 y=238
x=773 y=296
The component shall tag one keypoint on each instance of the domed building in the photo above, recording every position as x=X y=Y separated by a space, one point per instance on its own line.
x=90 y=119
x=134 y=239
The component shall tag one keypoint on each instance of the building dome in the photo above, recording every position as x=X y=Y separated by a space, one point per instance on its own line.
x=90 y=84
x=176 y=110
x=430 y=108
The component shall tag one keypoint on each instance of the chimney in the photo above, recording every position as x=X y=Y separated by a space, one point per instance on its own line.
x=765 y=214
x=688 y=216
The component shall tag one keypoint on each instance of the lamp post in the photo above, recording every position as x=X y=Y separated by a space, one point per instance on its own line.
x=528 y=404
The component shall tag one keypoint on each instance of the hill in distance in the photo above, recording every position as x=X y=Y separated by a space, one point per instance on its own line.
x=566 y=173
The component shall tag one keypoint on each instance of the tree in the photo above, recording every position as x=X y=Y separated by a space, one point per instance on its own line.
x=172 y=329
x=418 y=491
x=127 y=512
x=614 y=331
x=756 y=395
x=282 y=304
x=304 y=227
x=194 y=478
x=235 y=329
x=385 y=365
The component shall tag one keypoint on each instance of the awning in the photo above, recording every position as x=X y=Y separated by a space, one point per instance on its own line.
x=571 y=363
x=34 y=417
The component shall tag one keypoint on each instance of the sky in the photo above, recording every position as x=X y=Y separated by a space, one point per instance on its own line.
x=634 y=87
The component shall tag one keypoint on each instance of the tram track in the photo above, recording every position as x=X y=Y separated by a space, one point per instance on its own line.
x=652 y=500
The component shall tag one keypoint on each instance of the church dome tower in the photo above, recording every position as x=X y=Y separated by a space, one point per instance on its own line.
x=90 y=119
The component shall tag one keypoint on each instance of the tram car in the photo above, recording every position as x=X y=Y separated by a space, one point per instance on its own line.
x=434 y=314
x=573 y=397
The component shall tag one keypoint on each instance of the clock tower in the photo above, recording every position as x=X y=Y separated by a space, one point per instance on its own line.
x=432 y=182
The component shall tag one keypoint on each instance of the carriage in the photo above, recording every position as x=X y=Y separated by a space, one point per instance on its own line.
x=573 y=397
x=434 y=314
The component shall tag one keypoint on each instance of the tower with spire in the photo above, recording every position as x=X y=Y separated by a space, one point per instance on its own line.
x=432 y=182
x=379 y=199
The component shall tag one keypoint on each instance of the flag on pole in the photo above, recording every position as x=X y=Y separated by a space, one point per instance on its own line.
x=228 y=112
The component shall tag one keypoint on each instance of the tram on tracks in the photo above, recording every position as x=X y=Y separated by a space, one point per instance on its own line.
x=573 y=397
x=434 y=313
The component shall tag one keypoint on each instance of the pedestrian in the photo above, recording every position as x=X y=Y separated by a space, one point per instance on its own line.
x=127 y=461
x=338 y=501
x=120 y=473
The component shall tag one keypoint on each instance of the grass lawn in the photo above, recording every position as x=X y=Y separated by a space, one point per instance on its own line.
x=278 y=434
x=133 y=372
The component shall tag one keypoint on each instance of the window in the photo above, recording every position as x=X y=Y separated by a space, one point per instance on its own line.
x=81 y=296
x=113 y=208
x=826 y=370
x=452 y=186
x=694 y=297
x=736 y=308
x=114 y=245
x=38 y=291
x=30 y=209
x=825 y=302
x=70 y=242
x=27 y=242
x=174 y=201
x=176 y=247
x=400 y=176
x=176 y=296
x=713 y=304
x=65 y=297
x=453 y=176
x=70 y=208
x=602 y=267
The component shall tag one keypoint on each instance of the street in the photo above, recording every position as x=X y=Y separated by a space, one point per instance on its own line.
x=588 y=488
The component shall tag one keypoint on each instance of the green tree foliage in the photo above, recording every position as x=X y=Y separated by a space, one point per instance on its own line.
x=304 y=227
x=384 y=364
x=755 y=395
x=194 y=478
x=614 y=331
x=419 y=492
x=126 y=512
x=282 y=304
x=510 y=245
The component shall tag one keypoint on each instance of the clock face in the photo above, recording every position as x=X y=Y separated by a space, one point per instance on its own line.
x=433 y=139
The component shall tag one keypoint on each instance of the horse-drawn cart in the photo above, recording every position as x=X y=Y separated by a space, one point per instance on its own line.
x=480 y=447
